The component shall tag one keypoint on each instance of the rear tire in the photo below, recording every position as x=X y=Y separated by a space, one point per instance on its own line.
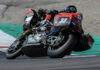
x=65 y=49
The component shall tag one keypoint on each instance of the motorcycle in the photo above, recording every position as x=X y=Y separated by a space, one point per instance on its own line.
x=41 y=41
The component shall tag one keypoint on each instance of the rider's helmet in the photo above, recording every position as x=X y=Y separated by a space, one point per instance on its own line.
x=41 y=14
x=71 y=9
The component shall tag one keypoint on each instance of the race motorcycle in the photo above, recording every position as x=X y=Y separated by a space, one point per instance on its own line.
x=40 y=41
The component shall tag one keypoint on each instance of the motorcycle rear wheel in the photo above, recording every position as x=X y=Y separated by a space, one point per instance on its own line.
x=14 y=50
x=64 y=49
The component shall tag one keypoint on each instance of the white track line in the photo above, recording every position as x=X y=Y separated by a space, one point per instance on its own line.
x=76 y=56
x=5 y=41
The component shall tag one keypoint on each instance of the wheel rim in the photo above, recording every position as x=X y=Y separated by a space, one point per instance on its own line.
x=60 y=44
x=14 y=47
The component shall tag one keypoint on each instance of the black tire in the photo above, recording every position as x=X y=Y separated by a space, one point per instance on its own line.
x=64 y=49
x=16 y=53
x=34 y=51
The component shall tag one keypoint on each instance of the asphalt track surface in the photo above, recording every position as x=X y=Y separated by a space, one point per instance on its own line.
x=45 y=63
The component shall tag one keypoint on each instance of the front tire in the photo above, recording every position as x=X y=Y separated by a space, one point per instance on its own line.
x=14 y=50
x=64 y=49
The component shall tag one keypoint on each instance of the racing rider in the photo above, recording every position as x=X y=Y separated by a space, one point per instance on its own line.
x=69 y=9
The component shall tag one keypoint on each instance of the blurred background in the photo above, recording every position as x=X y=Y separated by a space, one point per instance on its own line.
x=12 y=11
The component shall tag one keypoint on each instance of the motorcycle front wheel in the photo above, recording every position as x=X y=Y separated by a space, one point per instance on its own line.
x=14 y=50
x=65 y=48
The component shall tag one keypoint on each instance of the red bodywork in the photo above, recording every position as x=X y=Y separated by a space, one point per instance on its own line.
x=74 y=18
x=64 y=15
x=71 y=16
x=28 y=12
